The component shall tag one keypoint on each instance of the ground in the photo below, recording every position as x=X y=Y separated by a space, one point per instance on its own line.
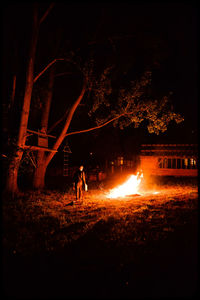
x=128 y=248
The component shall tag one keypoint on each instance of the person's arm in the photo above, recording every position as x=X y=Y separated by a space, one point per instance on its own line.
x=84 y=181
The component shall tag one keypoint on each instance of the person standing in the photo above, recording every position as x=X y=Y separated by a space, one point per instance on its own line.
x=79 y=183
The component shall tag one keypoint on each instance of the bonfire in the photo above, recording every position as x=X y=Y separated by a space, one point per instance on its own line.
x=130 y=187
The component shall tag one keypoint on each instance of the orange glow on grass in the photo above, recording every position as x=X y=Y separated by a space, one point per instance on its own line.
x=130 y=187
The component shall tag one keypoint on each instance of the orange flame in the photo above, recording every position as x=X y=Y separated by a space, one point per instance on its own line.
x=130 y=187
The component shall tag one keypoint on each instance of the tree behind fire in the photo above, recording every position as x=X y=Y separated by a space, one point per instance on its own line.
x=122 y=106
x=133 y=105
x=18 y=151
x=106 y=102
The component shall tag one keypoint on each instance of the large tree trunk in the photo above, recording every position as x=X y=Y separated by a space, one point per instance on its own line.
x=11 y=183
x=44 y=160
x=12 y=175
x=40 y=170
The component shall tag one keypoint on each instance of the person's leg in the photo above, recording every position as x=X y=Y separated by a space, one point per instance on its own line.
x=81 y=192
x=77 y=191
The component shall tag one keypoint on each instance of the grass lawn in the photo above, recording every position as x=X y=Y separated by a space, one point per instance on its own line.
x=127 y=248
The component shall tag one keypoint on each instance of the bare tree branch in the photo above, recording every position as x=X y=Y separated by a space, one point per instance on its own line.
x=63 y=73
x=13 y=91
x=96 y=127
x=58 y=122
x=46 y=13
x=34 y=164
x=41 y=133
x=67 y=122
x=47 y=67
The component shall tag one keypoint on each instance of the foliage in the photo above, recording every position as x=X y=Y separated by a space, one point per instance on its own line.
x=133 y=104
x=101 y=89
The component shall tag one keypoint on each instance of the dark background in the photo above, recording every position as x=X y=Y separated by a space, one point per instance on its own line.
x=159 y=36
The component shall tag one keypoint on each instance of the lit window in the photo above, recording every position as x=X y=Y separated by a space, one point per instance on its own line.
x=120 y=160
x=193 y=162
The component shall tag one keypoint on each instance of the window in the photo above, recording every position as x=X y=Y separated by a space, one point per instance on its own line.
x=165 y=163
x=169 y=163
x=174 y=163
x=120 y=161
x=160 y=163
x=183 y=163
x=193 y=164
x=186 y=163
x=178 y=163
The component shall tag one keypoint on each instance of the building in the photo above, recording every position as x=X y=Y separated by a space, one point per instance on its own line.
x=169 y=159
x=122 y=164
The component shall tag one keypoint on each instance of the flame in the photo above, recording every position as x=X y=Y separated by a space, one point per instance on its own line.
x=130 y=187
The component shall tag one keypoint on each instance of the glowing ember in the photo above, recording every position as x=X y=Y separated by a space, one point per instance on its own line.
x=130 y=187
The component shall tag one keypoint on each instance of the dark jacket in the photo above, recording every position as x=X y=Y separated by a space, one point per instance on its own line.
x=79 y=177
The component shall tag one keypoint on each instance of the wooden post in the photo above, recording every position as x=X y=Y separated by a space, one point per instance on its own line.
x=181 y=166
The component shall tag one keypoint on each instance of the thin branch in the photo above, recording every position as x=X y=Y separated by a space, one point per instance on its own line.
x=63 y=73
x=13 y=91
x=41 y=133
x=47 y=67
x=96 y=127
x=58 y=122
x=60 y=59
x=67 y=122
x=31 y=159
x=31 y=153
x=46 y=13
x=39 y=148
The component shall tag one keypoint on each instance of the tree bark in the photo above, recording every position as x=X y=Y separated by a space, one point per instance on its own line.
x=11 y=183
x=40 y=170
x=44 y=159
x=13 y=92
x=13 y=168
x=67 y=123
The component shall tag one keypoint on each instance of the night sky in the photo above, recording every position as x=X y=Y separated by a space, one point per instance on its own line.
x=159 y=36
